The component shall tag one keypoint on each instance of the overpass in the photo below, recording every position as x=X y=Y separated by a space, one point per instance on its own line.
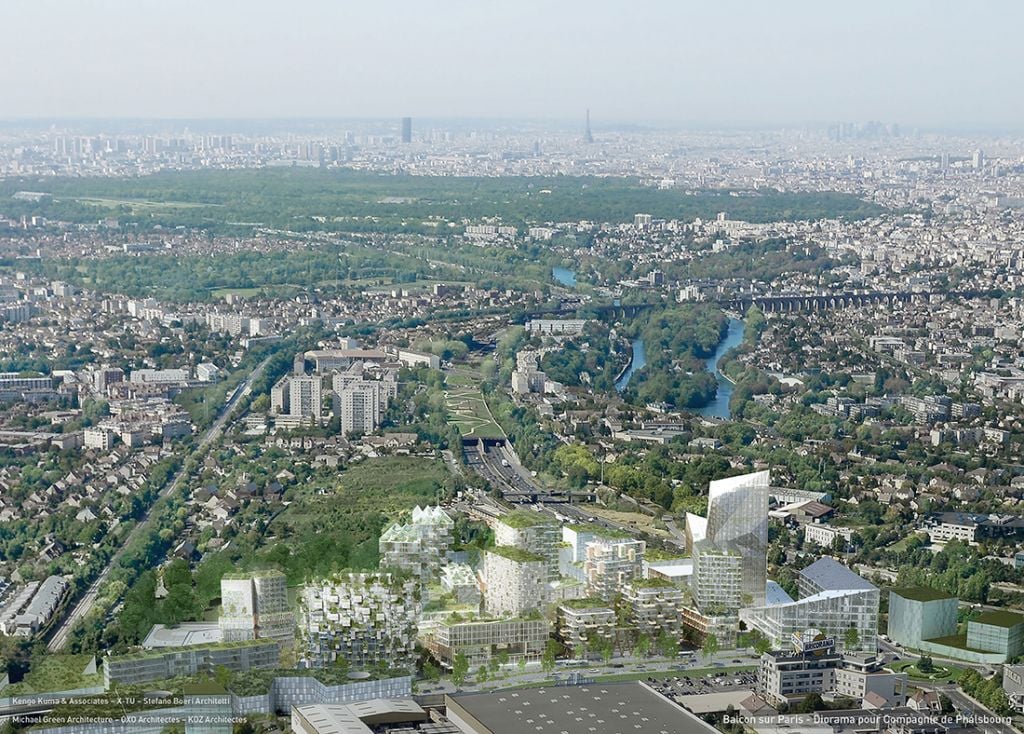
x=767 y=304
x=603 y=311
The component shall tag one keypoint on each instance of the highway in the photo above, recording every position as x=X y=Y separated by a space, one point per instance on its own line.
x=85 y=604
x=499 y=465
x=509 y=478
x=678 y=536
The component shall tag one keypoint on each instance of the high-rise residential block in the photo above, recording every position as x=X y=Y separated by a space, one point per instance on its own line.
x=364 y=619
x=421 y=545
x=610 y=564
x=534 y=533
x=305 y=398
x=515 y=581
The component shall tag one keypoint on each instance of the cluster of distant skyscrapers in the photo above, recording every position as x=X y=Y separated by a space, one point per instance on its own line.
x=588 y=136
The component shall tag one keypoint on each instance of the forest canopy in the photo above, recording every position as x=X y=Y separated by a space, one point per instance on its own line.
x=314 y=199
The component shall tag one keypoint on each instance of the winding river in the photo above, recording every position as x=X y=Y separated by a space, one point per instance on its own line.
x=719 y=407
x=637 y=362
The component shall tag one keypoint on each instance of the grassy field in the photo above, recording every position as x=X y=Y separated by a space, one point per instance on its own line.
x=419 y=286
x=901 y=545
x=56 y=673
x=333 y=521
x=243 y=292
x=138 y=204
x=468 y=413
x=638 y=520
x=461 y=379
x=283 y=290
x=388 y=484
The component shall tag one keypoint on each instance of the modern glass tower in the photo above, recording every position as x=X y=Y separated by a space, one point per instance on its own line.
x=738 y=524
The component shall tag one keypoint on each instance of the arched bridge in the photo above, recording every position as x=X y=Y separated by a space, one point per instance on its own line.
x=782 y=304
x=823 y=301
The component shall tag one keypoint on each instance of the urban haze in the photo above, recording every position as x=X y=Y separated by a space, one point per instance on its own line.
x=502 y=368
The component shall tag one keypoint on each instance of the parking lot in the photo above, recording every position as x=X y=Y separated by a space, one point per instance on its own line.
x=686 y=685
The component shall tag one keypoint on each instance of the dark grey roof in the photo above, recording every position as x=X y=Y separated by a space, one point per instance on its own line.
x=829 y=574
x=607 y=708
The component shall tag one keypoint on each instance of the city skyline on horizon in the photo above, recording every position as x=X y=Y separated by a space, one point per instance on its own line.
x=553 y=125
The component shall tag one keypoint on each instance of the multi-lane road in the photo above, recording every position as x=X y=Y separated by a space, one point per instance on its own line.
x=499 y=465
x=84 y=605
x=496 y=463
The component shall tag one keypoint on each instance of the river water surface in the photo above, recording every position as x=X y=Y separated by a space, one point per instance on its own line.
x=719 y=407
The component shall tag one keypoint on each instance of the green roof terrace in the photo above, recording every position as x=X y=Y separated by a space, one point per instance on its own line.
x=515 y=554
x=921 y=593
x=999 y=618
x=520 y=519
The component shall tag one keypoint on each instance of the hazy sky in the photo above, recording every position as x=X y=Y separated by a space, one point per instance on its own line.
x=912 y=61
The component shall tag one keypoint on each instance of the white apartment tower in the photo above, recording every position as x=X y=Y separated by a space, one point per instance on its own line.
x=359 y=408
x=531 y=532
x=305 y=397
x=611 y=564
x=515 y=581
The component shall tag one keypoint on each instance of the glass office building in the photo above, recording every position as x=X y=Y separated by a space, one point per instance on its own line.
x=737 y=523
x=833 y=599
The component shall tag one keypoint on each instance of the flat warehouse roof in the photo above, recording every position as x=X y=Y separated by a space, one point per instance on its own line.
x=183 y=635
x=601 y=708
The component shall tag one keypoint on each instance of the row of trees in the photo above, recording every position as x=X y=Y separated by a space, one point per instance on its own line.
x=957 y=569
x=989 y=691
